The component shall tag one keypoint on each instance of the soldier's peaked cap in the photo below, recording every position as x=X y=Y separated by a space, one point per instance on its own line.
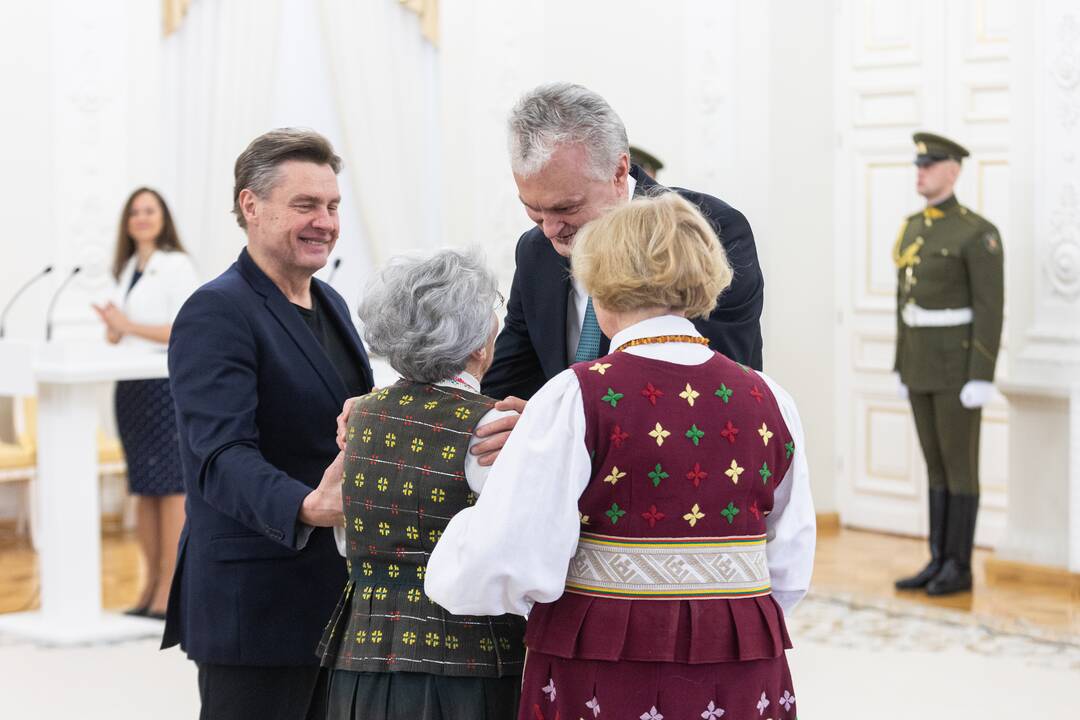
x=931 y=148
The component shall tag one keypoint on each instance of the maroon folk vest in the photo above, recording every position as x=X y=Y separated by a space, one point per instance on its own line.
x=685 y=459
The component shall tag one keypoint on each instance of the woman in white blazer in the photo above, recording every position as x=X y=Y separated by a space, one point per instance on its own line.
x=154 y=277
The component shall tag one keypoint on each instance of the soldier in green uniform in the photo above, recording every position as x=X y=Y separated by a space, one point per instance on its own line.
x=949 y=304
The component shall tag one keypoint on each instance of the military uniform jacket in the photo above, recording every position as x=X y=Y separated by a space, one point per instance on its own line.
x=404 y=480
x=948 y=257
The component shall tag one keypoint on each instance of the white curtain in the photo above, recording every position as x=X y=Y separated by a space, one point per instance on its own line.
x=218 y=82
x=383 y=75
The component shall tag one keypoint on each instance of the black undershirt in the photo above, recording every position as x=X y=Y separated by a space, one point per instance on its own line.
x=329 y=336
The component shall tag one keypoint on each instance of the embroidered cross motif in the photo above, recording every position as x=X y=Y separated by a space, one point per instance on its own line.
x=730 y=432
x=651 y=393
x=615 y=513
x=689 y=395
x=756 y=394
x=788 y=700
x=657 y=475
x=615 y=475
x=724 y=393
x=765 y=472
x=659 y=434
x=762 y=704
x=730 y=512
x=583 y=518
x=789 y=448
x=765 y=433
x=600 y=368
x=653 y=516
x=618 y=436
x=712 y=712
x=549 y=690
x=696 y=475
x=755 y=511
x=651 y=715
x=734 y=472
x=694 y=434
x=594 y=705
x=694 y=515
x=612 y=397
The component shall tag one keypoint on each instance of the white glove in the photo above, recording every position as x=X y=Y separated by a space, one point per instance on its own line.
x=976 y=393
x=901 y=388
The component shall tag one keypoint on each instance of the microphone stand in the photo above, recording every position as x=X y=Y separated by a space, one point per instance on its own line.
x=333 y=271
x=52 y=303
x=3 y=314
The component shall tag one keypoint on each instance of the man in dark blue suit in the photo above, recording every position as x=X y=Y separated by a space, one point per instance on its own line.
x=260 y=360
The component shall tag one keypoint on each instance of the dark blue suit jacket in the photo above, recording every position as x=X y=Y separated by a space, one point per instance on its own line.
x=256 y=400
x=531 y=349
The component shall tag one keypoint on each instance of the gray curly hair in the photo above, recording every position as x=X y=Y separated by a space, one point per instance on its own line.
x=562 y=113
x=425 y=316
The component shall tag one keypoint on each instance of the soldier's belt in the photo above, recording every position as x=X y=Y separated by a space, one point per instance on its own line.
x=669 y=568
x=915 y=316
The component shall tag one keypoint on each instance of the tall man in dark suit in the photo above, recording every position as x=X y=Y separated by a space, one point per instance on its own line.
x=570 y=158
x=260 y=359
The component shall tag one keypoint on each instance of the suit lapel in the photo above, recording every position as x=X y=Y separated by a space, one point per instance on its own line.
x=551 y=312
x=290 y=320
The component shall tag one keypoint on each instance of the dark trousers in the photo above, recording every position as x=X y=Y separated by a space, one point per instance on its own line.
x=245 y=692
x=949 y=436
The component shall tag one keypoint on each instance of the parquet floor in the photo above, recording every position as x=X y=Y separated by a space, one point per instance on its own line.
x=848 y=561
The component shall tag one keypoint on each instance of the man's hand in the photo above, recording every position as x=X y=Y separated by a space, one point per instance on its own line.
x=496 y=433
x=322 y=507
x=343 y=423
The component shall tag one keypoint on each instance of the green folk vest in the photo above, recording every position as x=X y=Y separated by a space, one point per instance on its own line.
x=404 y=480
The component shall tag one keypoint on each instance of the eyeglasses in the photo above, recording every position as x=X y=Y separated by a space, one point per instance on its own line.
x=500 y=302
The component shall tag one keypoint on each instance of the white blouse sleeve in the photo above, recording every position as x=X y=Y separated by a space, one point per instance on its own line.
x=475 y=473
x=183 y=281
x=791 y=527
x=513 y=548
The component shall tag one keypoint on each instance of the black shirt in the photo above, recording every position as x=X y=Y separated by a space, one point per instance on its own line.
x=329 y=336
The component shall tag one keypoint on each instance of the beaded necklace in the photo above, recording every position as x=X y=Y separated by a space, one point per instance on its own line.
x=662 y=339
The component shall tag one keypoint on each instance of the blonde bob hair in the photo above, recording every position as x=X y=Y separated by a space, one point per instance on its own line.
x=652 y=252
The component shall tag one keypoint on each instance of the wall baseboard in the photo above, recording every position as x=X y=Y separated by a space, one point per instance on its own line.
x=1010 y=572
x=829 y=521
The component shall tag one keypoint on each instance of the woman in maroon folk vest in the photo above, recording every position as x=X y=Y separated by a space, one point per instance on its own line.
x=393 y=652
x=651 y=511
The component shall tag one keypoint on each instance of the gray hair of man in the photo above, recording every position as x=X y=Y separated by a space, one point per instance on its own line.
x=564 y=113
x=425 y=316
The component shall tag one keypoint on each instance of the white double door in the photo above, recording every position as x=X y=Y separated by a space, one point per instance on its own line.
x=902 y=66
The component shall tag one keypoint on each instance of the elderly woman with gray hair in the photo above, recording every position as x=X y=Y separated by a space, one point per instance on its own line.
x=393 y=652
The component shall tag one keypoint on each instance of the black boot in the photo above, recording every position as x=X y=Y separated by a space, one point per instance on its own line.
x=939 y=500
x=955 y=574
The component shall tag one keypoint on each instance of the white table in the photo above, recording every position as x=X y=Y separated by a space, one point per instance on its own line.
x=66 y=378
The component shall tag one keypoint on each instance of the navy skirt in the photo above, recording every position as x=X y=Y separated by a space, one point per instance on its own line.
x=147 y=423
x=421 y=696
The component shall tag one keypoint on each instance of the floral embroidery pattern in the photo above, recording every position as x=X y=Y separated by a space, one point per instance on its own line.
x=765 y=472
x=659 y=434
x=756 y=394
x=712 y=712
x=730 y=512
x=689 y=395
x=618 y=436
x=449 y=452
x=724 y=393
x=765 y=433
x=755 y=511
x=391 y=440
x=729 y=432
x=653 y=516
x=614 y=513
x=651 y=393
x=734 y=472
x=615 y=475
x=417 y=445
x=651 y=715
x=583 y=518
x=549 y=690
x=694 y=515
x=789 y=448
x=696 y=475
x=657 y=475
x=594 y=705
x=612 y=397
x=462 y=413
x=600 y=368
x=695 y=435
x=788 y=700
x=762 y=704
x=405 y=400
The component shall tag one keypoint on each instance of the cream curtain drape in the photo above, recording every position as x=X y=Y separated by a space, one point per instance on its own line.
x=384 y=81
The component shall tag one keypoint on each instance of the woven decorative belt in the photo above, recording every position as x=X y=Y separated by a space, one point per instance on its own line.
x=669 y=568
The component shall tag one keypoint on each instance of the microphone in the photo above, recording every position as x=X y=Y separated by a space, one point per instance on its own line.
x=3 y=314
x=333 y=271
x=52 y=303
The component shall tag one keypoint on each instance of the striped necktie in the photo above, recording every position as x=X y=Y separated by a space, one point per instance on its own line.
x=588 y=346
